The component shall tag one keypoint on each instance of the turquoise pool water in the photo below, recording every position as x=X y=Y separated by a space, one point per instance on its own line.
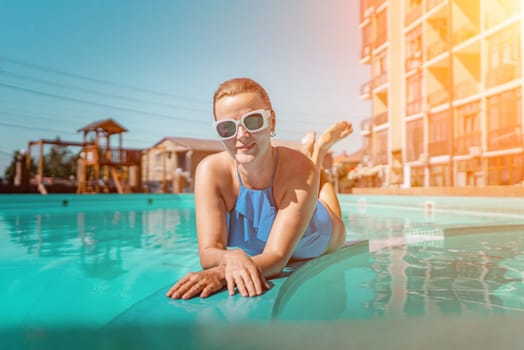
x=103 y=263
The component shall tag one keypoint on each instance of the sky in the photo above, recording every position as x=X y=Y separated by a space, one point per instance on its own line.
x=154 y=65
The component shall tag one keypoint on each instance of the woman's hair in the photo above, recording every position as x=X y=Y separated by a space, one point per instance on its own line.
x=237 y=86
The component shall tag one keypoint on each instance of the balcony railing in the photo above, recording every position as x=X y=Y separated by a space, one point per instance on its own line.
x=464 y=143
x=464 y=33
x=380 y=118
x=366 y=51
x=413 y=62
x=505 y=138
x=380 y=158
x=503 y=74
x=414 y=107
x=505 y=10
x=381 y=38
x=366 y=9
x=365 y=89
x=379 y=3
x=366 y=124
x=466 y=88
x=412 y=14
x=120 y=156
x=438 y=148
x=433 y=3
x=436 y=48
x=413 y=152
x=438 y=97
x=380 y=80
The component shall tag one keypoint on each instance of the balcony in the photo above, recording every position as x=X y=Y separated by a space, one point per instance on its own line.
x=365 y=89
x=365 y=125
x=414 y=107
x=466 y=88
x=430 y=4
x=503 y=74
x=380 y=80
x=413 y=62
x=379 y=3
x=436 y=48
x=112 y=156
x=503 y=11
x=381 y=38
x=366 y=9
x=438 y=97
x=464 y=33
x=412 y=14
x=380 y=118
x=438 y=148
x=366 y=51
x=505 y=138
x=380 y=157
x=465 y=143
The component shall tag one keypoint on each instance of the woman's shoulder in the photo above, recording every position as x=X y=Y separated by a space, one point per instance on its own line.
x=289 y=155
x=293 y=162
x=215 y=164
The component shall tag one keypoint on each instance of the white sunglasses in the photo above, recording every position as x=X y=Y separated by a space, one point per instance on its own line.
x=252 y=122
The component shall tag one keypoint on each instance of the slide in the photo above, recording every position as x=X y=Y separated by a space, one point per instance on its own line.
x=116 y=179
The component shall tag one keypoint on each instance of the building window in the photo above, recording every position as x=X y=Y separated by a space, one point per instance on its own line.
x=366 y=41
x=414 y=140
x=414 y=48
x=158 y=160
x=468 y=128
x=506 y=170
x=504 y=120
x=439 y=133
x=504 y=56
x=380 y=67
x=469 y=172
x=417 y=176
x=382 y=29
x=439 y=175
x=181 y=160
x=414 y=94
x=381 y=155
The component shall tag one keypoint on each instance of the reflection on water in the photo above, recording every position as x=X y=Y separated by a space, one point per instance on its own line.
x=414 y=269
x=100 y=240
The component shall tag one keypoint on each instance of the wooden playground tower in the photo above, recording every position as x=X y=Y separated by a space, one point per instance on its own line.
x=98 y=161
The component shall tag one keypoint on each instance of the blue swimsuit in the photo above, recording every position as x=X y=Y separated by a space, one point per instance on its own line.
x=251 y=220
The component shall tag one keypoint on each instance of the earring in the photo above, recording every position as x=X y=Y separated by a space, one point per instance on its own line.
x=272 y=133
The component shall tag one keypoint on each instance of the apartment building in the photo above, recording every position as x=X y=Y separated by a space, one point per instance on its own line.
x=445 y=91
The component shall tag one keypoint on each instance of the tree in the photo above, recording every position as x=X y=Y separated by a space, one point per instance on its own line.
x=10 y=171
x=60 y=162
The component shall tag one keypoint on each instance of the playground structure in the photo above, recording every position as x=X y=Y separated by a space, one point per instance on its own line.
x=40 y=170
x=99 y=161
x=100 y=166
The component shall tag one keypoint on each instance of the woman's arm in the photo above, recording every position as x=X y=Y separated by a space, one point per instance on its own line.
x=211 y=231
x=296 y=194
x=210 y=212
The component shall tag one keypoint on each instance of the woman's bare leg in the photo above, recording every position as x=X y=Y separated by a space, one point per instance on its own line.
x=332 y=135
x=308 y=143
x=327 y=194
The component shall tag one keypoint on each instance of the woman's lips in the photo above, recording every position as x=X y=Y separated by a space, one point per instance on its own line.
x=245 y=148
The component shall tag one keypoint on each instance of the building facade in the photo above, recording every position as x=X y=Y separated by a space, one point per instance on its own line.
x=170 y=165
x=446 y=91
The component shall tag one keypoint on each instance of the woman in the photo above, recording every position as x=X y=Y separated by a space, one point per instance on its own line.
x=274 y=203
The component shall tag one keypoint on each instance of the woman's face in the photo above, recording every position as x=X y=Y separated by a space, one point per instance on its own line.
x=246 y=146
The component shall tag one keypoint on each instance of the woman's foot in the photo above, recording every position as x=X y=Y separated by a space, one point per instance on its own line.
x=332 y=135
x=308 y=143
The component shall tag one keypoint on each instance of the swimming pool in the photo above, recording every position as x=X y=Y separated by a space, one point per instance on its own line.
x=72 y=265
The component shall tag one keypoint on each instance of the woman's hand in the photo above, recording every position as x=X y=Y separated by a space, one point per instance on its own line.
x=203 y=283
x=241 y=272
